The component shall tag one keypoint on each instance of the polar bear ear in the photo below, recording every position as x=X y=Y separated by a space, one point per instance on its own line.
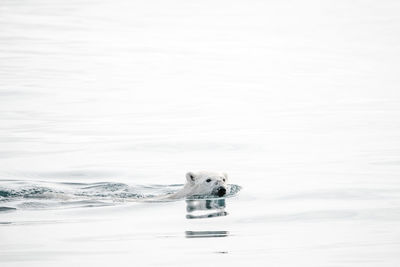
x=226 y=175
x=191 y=177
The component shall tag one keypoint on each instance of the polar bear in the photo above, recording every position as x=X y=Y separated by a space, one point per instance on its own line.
x=203 y=183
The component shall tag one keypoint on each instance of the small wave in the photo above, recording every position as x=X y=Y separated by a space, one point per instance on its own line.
x=7 y=209
x=233 y=190
x=46 y=195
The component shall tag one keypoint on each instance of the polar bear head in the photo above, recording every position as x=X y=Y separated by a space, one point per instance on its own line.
x=207 y=183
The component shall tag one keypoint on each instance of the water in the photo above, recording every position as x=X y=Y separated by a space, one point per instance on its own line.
x=103 y=103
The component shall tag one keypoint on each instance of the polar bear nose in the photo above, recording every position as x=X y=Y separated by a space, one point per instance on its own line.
x=221 y=191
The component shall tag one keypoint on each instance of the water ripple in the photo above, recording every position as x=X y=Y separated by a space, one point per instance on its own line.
x=20 y=194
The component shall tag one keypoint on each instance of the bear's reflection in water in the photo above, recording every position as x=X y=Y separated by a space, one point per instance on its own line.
x=205 y=234
x=205 y=208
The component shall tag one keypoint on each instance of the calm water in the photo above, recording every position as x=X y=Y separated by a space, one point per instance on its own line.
x=105 y=102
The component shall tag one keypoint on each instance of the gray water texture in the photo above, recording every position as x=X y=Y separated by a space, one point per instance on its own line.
x=15 y=194
x=103 y=102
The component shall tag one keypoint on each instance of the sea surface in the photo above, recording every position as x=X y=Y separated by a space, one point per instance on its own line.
x=104 y=104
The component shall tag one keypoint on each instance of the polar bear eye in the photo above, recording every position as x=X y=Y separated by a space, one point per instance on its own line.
x=223 y=179
x=208 y=180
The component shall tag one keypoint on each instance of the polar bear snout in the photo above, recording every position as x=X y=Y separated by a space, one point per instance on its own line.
x=221 y=191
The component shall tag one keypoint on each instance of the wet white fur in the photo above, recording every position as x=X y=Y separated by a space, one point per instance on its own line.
x=196 y=184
